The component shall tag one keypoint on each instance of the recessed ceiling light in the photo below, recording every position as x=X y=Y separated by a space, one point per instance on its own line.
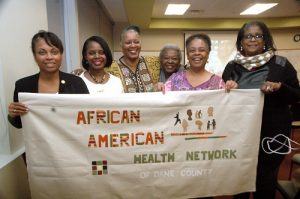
x=258 y=8
x=176 y=9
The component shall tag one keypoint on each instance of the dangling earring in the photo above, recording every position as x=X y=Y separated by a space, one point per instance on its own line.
x=241 y=48
x=264 y=48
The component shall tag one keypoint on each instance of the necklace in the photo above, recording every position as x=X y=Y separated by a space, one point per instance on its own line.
x=95 y=79
x=132 y=66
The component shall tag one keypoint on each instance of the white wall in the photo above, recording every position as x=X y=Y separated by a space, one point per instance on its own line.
x=4 y=136
x=19 y=21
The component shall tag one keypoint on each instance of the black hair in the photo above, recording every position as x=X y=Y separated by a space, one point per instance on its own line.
x=201 y=36
x=130 y=28
x=133 y=27
x=104 y=46
x=50 y=38
x=267 y=37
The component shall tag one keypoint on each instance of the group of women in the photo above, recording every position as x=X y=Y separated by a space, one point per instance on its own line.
x=254 y=66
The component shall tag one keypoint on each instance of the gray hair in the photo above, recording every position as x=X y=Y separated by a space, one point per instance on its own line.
x=167 y=47
x=132 y=28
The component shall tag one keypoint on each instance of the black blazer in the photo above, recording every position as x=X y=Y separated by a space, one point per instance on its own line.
x=69 y=84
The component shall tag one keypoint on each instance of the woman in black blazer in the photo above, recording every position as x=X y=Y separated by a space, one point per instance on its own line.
x=257 y=67
x=47 y=50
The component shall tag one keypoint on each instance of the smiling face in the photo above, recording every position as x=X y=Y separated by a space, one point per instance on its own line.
x=131 y=45
x=197 y=53
x=95 y=56
x=48 y=58
x=170 y=61
x=253 y=41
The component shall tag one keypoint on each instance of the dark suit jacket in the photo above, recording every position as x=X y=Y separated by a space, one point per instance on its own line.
x=69 y=84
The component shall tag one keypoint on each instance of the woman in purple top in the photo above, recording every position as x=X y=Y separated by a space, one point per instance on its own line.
x=195 y=77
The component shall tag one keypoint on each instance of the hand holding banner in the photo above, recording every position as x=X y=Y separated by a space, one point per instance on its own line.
x=142 y=145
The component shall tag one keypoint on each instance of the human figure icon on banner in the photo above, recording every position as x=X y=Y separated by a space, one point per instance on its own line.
x=198 y=114
x=199 y=124
x=185 y=124
x=178 y=120
x=189 y=113
x=208 y=125
x=210 y=111
x=214 y=123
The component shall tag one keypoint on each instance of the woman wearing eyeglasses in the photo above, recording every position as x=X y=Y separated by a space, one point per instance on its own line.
x=96 y=55
x=256 y=66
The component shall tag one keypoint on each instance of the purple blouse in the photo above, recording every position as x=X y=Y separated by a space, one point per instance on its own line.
x=179 y=82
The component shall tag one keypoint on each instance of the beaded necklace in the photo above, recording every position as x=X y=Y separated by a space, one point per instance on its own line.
x=95 y=79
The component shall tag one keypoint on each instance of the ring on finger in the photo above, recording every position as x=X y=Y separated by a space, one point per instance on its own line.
x=15 y=110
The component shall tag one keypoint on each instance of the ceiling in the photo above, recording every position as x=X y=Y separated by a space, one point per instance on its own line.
x=202 y=14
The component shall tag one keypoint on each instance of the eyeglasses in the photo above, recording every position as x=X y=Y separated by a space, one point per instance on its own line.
x=256 y=37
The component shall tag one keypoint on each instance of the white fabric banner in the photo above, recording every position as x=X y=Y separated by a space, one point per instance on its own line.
x=143 y=145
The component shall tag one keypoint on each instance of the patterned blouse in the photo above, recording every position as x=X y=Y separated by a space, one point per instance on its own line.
x=138 y=81
x=179 y=82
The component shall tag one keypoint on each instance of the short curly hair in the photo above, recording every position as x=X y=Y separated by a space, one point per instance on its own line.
x=167 y=47
x=201 y=36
